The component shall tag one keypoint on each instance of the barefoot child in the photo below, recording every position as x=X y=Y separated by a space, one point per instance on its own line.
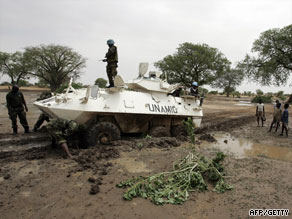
x=260 y=113
x=285 y=116
x=276 y=117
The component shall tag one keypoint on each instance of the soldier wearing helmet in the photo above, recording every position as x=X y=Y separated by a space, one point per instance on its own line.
x=111 y=57
x=16 y=105
x=194 y=91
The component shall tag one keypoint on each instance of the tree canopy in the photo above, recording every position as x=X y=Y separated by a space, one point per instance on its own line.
x=228 y=80
x=193 y=62
x=54 y=64
x=273 y=62
x=14 y=66
x=100 y=82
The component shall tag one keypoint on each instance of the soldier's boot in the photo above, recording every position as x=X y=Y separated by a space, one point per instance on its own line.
x=110 y=85
x=14 y=131
x=35 y=128
x=26 y=129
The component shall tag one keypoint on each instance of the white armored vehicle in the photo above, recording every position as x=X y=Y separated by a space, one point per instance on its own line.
x=143 y=105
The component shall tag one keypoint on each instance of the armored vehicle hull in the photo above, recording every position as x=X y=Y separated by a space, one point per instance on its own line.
x=141 y=106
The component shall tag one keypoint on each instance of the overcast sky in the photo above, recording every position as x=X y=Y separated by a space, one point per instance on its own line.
x=144 y=30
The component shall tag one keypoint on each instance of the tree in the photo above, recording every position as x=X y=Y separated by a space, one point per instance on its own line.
x=54 y=64
x=273 y=64
x=193 y=62
x=100 y=82
x=228 y=80
x=15 y=66
x=24 y=83
x=64 y=86
x=41 y=83
x=280 y=93
x=235 y=94
x=259 y=92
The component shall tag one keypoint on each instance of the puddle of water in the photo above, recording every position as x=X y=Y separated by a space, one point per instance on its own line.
x=244 y=148
x=244 y=103
x=133 y=166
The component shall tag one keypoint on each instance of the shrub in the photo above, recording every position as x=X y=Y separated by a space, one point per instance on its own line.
x=283 y=98
x=24 y=83
x=100 y=82
x=280 y=93
x=215 y=92
x=65 y=86
x=265 y=99
x=5 y=83
x=270 y=94
x=236 y=94
x=203 y=90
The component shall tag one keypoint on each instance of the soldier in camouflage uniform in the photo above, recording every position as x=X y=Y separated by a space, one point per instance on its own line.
x=16 y=105
x=43 y=117
x=61 y=131
x=111 y=57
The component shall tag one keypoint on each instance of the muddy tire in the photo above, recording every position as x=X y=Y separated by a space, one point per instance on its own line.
x=179 y=132
x=104 y=133
x=159 y=131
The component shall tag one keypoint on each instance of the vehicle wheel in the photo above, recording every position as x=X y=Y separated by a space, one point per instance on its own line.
x=179 y=132
x=159 y=131
x=103 y=132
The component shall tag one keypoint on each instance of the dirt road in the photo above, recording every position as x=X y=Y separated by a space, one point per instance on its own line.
x=45 y=185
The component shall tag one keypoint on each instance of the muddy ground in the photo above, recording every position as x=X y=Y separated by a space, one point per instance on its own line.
x=44 y=185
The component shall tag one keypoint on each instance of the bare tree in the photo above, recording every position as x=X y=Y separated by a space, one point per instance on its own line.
x=54 y=64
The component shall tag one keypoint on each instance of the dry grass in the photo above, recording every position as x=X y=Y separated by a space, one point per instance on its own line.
x=31 y=88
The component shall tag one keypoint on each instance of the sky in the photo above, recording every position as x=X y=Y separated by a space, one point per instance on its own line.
x=143 y=30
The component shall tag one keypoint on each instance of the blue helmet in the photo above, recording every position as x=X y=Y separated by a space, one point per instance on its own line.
x=195 y=83
x=110 y=42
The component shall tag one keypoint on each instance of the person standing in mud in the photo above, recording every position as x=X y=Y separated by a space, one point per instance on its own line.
x=111 y=57
x=285 y=118
x=62 y=131
x=42 y=117
x=260 y=113
x=276 y=117
x=16 y=105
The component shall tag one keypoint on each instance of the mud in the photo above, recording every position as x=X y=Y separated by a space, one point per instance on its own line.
x=207 y=137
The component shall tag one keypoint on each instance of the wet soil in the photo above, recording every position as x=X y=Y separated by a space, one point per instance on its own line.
x=45 y=185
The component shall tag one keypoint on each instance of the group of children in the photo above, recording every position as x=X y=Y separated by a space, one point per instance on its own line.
x=279 y=116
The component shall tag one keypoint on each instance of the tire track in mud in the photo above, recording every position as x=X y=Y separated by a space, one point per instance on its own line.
x=224 y=124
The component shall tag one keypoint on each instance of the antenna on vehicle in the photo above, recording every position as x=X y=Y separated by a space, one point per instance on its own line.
x=143 y=68
x=165 y=77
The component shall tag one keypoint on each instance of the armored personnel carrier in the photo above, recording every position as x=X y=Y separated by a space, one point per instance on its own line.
x=143 y=105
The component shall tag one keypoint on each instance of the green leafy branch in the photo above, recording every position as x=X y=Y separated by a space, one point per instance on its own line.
x=190 y=128
x=173 y=187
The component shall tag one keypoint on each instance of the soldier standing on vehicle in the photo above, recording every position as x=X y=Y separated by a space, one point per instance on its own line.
x=62 y=131
x=111 y=57
x=16 y=105
x=42 y=117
